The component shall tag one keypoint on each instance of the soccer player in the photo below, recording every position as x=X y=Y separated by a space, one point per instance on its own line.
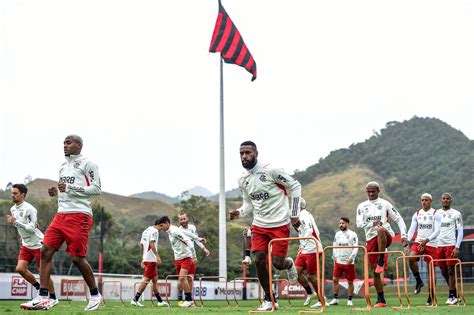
x=373 y=216
x=182 y=245
x=78 y=181
x=265 y=192
x=150 y=260
x=190 y=228
x=426 y=222
x=449 y=244
x=24 y=218
x=306 y=259
x=344 y=259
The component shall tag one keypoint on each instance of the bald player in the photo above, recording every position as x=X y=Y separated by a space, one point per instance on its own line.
x=78 y=181
x=373 y=216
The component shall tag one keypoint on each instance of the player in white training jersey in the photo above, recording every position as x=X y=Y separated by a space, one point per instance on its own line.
x=373 y=216
x=24 y=218
x=449 y=244
x=191 y=228
x=79 y=180
x=274 y=199
x=306 y=259
x=150 y=260
x=183 y=248
x=344 y=259
x=426 y=223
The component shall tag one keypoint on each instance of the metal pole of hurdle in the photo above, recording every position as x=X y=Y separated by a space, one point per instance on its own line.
x=457 y=260
x=431 y=278
x=178 y=277
x=112 y=281
x=460 y=264
x=398 y=279
x=247 y=279
x=270 y=271
x=366 y=274
x=212 y=277
x=66 y=282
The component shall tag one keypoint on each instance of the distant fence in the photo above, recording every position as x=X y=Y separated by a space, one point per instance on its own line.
x=13 y=286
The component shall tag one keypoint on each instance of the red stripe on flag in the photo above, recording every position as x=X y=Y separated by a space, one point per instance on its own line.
x=216 y=29
x=242 y=54
x=249 y=64
x=225 y=37
x=234 y=44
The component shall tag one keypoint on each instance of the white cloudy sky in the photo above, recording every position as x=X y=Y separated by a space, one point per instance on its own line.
x=136 y=81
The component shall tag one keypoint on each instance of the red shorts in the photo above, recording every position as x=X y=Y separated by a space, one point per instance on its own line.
x=72 y=228
x=262 y=236
x=186 y=264
x=307 y=262
x=28 y=254
x=446 y=252
x=373 y=247
x=428 y=250
x=348 y=270
x=151 y=271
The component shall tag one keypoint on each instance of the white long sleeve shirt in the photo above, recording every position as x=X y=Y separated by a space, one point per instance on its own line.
x=345 y=238
x=427 y=225
x=265 y=192
x=192 y=229
x=451 y=221
x=378 y=209
x=26 y=224
x=308 y=228
x=149 y=235
x=82 y=182
x=181 y=242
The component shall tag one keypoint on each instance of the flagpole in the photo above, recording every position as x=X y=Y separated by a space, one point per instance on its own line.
x=222 y=209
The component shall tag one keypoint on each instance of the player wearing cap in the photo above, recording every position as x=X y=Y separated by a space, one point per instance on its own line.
x=426 y=223
x=373 y=216
x=449 y=243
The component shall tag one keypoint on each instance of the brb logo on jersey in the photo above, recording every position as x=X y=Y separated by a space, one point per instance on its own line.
x=260 y=196
x=67 y=179
x=374 y=218
x=426 y=226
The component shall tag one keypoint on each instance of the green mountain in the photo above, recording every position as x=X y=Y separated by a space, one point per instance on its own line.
x=408 y=158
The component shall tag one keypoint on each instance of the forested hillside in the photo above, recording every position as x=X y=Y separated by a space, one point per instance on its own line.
x=412 y=157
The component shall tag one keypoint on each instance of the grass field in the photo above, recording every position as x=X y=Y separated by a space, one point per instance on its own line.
x=219 y=307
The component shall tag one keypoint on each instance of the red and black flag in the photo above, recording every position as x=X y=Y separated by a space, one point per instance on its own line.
x=227 y=40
